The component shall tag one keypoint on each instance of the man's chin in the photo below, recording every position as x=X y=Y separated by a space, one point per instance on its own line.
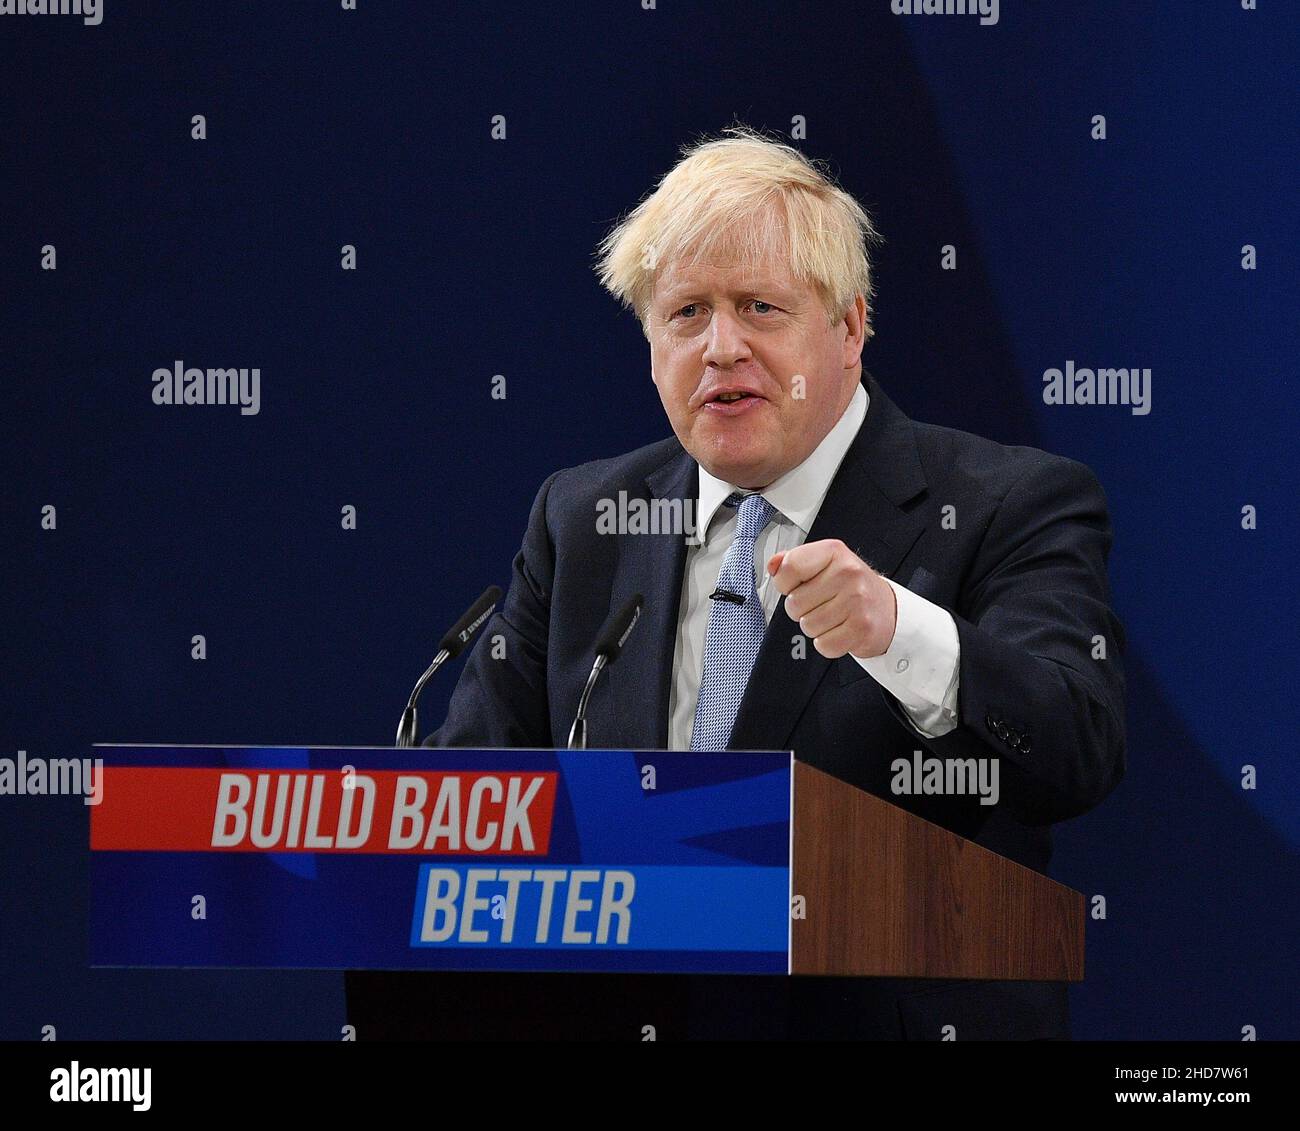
x=752 y=474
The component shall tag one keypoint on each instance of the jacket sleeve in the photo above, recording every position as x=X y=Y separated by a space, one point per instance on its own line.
x=1041 y=680
x=500 y=698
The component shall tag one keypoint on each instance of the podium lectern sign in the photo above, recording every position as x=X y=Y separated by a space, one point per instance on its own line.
x=376 y=858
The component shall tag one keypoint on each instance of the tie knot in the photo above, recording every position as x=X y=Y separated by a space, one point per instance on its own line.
x=754 y=513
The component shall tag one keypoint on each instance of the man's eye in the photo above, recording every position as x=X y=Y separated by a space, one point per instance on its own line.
x=688 y=311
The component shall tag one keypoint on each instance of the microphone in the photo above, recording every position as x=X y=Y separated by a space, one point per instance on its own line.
x=609 y=645
x=720 y=594
x=449 y=647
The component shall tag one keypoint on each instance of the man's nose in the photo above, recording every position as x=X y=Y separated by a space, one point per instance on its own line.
x=726 y=342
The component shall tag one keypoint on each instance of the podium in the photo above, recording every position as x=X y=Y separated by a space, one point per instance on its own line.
x=545 y=860
x=890 y=894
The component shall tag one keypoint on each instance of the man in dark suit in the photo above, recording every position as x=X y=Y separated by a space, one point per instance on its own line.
x=851 y=585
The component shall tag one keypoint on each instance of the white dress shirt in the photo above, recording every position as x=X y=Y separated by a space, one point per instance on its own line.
x=921 y=664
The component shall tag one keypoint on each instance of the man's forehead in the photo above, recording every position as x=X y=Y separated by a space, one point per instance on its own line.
x=725 y=274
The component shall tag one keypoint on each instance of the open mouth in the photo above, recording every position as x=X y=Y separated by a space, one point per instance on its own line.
x=734 y=402
x=732 y=397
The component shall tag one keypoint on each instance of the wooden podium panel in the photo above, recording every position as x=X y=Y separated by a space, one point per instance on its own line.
x=890 y=894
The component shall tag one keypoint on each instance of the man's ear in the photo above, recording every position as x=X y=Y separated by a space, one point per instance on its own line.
x=855 y=320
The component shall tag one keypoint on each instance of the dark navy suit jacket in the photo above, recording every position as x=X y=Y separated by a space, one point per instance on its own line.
x=1012 y=541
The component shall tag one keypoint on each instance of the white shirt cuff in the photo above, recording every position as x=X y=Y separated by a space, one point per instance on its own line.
x=920 y=667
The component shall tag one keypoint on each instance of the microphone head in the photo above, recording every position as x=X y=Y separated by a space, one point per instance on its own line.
x=618 y=628
x=462 y=632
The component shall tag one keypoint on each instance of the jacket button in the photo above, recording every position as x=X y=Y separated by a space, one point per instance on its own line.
x=1024 y=743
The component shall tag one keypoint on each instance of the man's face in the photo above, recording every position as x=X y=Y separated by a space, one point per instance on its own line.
x=716 y=329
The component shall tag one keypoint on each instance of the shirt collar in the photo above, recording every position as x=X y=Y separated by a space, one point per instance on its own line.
x=797 y=494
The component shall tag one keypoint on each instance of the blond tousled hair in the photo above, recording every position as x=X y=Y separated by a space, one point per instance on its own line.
x=752 y=196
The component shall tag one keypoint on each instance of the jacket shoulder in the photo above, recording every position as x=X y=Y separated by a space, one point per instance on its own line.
x=575 y=491
x=635 y=464
x=953 y=457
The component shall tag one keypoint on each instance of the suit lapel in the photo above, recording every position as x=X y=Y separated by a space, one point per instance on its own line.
x=863 y=508
x=654 y=566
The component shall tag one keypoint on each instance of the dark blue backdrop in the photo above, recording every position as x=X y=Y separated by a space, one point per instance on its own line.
x=328 y=127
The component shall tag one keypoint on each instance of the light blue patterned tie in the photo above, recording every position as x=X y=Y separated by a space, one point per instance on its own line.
x=735 y=631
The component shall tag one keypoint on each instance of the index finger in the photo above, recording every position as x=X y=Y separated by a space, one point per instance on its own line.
x=800 y=564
